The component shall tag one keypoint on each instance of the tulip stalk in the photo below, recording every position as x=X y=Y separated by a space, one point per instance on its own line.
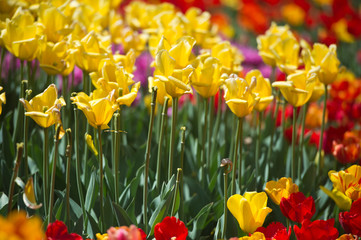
x=217 y=124
x=68 y=164
x=172 y=135
x=227 y=164
x=20 y=148
x=210 y=130
x=294 y=139
x=116 y=155
x=204 y=140
x=3 y=50
x=26 y=133
x=100 y=158
x=45 y=169
x=56 y=151
x=160 y=142
x=258 y=144
x=147 y=157
x=275 y=114
x=303 y=120
x=20 y=117
x=176 y=191
x=322 y=130
x=237 y=142
x=77 y=168
x=183 y=135
x=240 y=142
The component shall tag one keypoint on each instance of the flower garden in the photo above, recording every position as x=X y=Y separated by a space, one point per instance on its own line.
x=220 y=119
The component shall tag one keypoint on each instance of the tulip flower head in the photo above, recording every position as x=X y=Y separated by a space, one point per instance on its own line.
x=297 y=207
x=58 y=230
x=229 y=57
x=206 y=78
x=22 y=36
x=326 y=58
x=276 y=45
x=351 y=221
x=316 y=230
x=275 y=230
x=347 y=181
x=31 y=228
x=239 y=95
x=283 y=188
x=45 y=107
x=170 y=228
x=112 y=78
x=262 y=89
x=297 y=90
x=173 y=68
x=98 y=111
x=250 y=210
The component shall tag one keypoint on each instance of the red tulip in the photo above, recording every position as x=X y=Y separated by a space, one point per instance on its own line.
x=275 y=231
x=297 y=207
x=351 y=221
x=317 y=230
x=169 y=228
x=58 y=231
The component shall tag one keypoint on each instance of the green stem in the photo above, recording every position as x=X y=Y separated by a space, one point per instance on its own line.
x=30 y=79
x=20 y=147
x=116 y=156
x=183 y=136
x=147 y=157
x=273 y=130
x=204 y=141
x=235 y=160
x=210 y=130
x=300 y=161
x=294 y=139
x=68 y=164
x=225 y=205
x=45 y=170
x=283 y=115
x=56 y=151
x=240 y=172
x=3 y=50
x=216 y=128
x=77 y=167
x=172 y=135
x=100 y=155
x=258 y=145
x=20 y=117
x=322 y=130
x=26 y=126
x=176 y=190
x=160 y=143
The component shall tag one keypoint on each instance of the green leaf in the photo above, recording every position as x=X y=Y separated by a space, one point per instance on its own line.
x=91 y=195
x=122 y=216
x=199 y=221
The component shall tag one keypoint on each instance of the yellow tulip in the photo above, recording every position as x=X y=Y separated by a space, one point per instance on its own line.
x=113 y=78
x=206 y=78
x=250 y=210
x=262 y=88
x=297 y=90
x=266 y=43
x=347 y=181
x=254 y=236
x=229 y=57
x=161 y=92
x=198 y=24
x=283 y=188
x=341 y=200
x=55 y=59
x=326 y=58
x=45 y=107
x=89 y=52
x=2 y=100
x=286 y=53
x=239 y=96
x=22 y=36
x=56 y=24
x=171 y=67
x=98 y=111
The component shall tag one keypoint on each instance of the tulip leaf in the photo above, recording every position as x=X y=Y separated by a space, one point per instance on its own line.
x=91 y=195
x=3 y=203
x=199 y=221
x=122 y=216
